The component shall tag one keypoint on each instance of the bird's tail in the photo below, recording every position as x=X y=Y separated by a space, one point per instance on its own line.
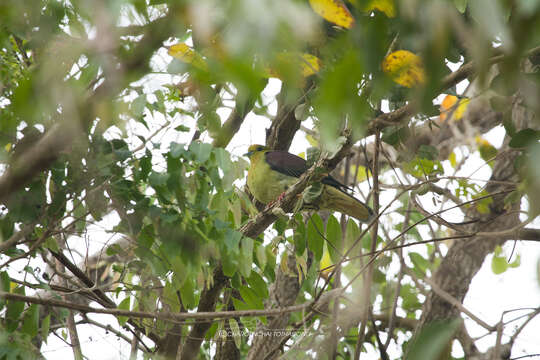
x=337 y=200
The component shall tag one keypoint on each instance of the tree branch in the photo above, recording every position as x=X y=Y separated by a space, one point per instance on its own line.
x=466 y=70
x=464 y=259
x=257 y=225
x=165 y=316
x=285 y=124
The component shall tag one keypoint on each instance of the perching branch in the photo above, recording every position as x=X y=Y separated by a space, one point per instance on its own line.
x=165 y=316
x=259 y=223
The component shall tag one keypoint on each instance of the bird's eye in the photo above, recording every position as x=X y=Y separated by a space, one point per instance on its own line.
x=260 y=148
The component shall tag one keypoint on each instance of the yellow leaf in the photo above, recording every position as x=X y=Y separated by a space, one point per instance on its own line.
x=284 y=265
x=480 y=141
x=306 y=64
x=385 y=6
x=405 y=68
x=333 y=11
x=326 y=265
x=186 y=54
x=362 y=174
x=452 y=159
x=310 y=64
x=301 y=268
x=312 y=141
x=485 y=148
x=448 y=106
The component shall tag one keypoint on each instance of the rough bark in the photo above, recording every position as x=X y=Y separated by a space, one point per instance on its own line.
x=209 y=298
x=226 y=347
x=282 y=293
x=285 y=124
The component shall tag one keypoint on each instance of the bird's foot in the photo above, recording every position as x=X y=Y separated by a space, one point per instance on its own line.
x=279 y=198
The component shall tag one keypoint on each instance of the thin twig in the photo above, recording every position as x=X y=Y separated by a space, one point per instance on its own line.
x=368 y=278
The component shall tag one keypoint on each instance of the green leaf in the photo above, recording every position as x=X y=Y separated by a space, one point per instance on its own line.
x=433 y=340
x=235 y=207
x=498 y=264
x=428 y=152
x=352 y=233
x=299 y=235
x=212 y=122
x=6 y=228
x=524 y=137
x=280 y=225
x=229 y=264
x=5 y=285
x=176 y=150
x=258 y=285
x=503 y=85
x=50 y=243
x=394 y=135
x=156 y=179
x=232 y=239
x=492 y=19
x=5 y=281
x=79 y=212
x=420 y=264
x=97 y=204
x=240 y=305
x=261 y=256
x=246 y=258
x=461 y=5
x=333 y=235
x=45 y=326
x=223 y=159
x=409 y=294
x=515 y=263
x=181 y=128
x=113 y=249
x=187 y=293
x=14 y=311
x=235 y=330
x=299 y=242
x=138 y=105
x=378 y=276
x=31 y=321
x=201 y=151
x=124 y=305
x=509 y=126
x=252 y=299
x=315 y=239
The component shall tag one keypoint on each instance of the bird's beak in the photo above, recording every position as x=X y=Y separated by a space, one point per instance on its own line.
x=248 y=154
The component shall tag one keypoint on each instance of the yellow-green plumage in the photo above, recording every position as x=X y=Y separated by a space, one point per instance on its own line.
x=272 y=172
x=264 y=183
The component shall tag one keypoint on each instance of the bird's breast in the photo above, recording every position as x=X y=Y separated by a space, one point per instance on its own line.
x=266 y=184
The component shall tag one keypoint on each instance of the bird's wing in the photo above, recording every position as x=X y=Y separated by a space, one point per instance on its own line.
x=286 y=163
x=292 y=165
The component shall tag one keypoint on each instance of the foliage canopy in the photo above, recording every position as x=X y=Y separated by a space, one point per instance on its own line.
x=122 y=126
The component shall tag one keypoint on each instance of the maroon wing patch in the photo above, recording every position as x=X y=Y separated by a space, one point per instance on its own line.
x=292 y=165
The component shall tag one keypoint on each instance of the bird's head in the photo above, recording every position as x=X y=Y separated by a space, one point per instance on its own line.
x=253 y=149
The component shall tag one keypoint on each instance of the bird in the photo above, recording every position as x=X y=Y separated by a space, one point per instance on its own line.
x=272 y=172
